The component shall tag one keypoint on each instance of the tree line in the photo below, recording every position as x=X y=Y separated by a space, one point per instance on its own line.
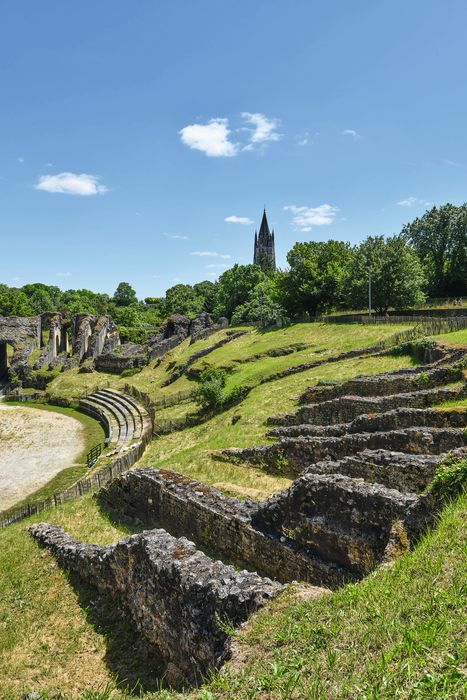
x=428 y=258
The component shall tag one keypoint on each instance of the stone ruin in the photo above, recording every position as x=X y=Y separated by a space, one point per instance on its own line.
x=173 y=332
x=60 y=341
x=362 y=454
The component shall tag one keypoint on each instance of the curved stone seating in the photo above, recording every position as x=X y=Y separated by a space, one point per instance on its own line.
x=124 y=420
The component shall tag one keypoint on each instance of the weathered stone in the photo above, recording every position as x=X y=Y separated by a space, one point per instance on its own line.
x=176 y=596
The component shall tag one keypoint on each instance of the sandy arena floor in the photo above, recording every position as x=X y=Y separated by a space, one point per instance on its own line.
x=34 y=446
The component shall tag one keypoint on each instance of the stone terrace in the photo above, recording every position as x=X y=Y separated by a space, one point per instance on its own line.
x=359 y=499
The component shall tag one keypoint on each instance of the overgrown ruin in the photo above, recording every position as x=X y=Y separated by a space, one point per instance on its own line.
x=363 y=454
x=50 y=339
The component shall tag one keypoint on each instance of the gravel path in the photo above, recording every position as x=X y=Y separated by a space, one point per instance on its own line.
x=34 y=446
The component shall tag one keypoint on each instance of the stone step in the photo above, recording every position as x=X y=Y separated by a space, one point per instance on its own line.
x=395 y=470
x=344 y=409
x=384 y=384
x=105 y=417
x=131 y=419
x=117 y=413
x=297 y=453
x=390 y=420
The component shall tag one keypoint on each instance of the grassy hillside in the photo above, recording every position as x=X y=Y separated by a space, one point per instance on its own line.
x=318 y=339
x=189 y=451
x=396 y=635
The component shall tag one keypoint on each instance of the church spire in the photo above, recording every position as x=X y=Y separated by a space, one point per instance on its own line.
x=265 y=255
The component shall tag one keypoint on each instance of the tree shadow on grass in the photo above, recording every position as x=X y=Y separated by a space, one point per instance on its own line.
x=136 y=666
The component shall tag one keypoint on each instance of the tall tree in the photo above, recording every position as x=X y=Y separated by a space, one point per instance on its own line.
x=440 y=240
x=234 y=287
x=315 y=281
x=207 y=291
x=396 y=273
x=182 y=299
x=125 y=295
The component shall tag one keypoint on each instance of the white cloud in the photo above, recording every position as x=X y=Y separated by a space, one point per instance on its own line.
x=452 y=163
x=20 y=160
x=262 y=129
x=351 y=132
x=306 y=217
x=238 y=220
x=210 y=254
x=412 y=201
x=71 y=183
x=63 y=274
x=211 y=138
x=213 y=274
x=217 y=265
x=176 y=237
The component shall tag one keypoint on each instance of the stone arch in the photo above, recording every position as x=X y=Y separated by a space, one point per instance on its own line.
x=6 y=349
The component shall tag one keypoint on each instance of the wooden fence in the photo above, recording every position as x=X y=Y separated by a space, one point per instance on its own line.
x=80 y=487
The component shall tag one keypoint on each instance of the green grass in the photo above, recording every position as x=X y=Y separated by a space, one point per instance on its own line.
x=94 y=434
x=457 y=338
x=454 y=404
x=322 y=338
x=189 y=451
x=398 y=634
x=47 y=640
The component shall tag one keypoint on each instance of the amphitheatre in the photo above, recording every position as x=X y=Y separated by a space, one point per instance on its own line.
x=184 y=525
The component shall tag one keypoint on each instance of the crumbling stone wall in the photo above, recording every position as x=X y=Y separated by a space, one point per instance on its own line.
x=175 y=595
x=344 y=409
x=370 y=423
x=396 y=470
x=23 y=334
x=218 y=524
x=344 y=520
x=385 y=383
x=297 y=453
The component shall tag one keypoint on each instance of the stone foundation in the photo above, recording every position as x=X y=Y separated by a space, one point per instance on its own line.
x=176 y=596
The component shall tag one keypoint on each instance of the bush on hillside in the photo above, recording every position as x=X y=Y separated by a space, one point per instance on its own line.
x=450 y=478
x=210 y=393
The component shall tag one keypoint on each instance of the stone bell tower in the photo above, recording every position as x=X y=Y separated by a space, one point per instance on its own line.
x=265 y=254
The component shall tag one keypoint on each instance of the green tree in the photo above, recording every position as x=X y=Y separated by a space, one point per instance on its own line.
x=182 y=299
x=315 y=281
x=261 y=307
x=234 y=287
x=125 y=295
x=207 y=291
x=50 y=294
x=396 y=273
x=14 y=302
x=440 y=239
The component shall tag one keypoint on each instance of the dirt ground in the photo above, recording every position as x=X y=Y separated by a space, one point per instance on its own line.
x=34 y=446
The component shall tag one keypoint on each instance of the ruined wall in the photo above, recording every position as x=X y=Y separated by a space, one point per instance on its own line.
x=297 y=453
x=370 y=423
x=174 y=594
x=396 y=470
x=385 y=383
x=346 y=408
x=218 y=524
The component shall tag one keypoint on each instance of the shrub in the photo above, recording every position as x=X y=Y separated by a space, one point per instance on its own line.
x=130 y=371
x=415 y=348
x=450 y=478
x=237 y=394
x=210 y=391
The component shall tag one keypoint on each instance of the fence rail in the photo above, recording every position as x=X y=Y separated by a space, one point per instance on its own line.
x=80 y=487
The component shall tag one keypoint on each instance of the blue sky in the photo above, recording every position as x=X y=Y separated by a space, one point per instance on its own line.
x=130 y=132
